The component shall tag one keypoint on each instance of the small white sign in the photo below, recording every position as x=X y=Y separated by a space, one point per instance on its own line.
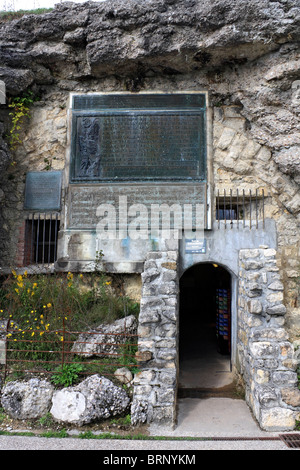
x=195 y=246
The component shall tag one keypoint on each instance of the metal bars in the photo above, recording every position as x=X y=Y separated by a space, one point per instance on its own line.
x=30 y=351
x=41 y=238
x=240 y=209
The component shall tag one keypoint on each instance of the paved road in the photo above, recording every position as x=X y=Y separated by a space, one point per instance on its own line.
x=124 y=446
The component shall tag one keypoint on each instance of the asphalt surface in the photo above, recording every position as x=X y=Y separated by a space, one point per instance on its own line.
x=146 y=448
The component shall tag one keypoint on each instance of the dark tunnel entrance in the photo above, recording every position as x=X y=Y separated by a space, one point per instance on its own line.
x=205 y=328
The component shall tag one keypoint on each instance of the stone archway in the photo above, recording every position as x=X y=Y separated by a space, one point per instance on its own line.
x=264 y=355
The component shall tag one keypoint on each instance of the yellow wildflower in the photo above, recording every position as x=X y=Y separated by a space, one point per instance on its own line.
x=61 y=338
x=32 y=334
x=41 y=333
x=14 y=273
x=49 y=305
x=34 y=285
x=17 y=291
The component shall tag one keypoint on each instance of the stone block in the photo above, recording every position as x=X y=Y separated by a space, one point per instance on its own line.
x=262 y=376
x=150 y=274
x=165 y=396
x=264 y=154
x=269 y=252
x=226 y=138
x=291 y=396
x=254 y=289
x=169 y=265
x=143 y=356
x=270 y=334
x=277 y=419
x=167 y=354
x=278 y=309
x=170 y=313
x=163 y=414
x=252 y=265
x=238 y=124
x=267 y=397
x=284 y=377
x=145 y=376
x=263 y=349
x=255 y=307
x=276 y=285
x=167 y=378
x=275 y=297
x=169 y=276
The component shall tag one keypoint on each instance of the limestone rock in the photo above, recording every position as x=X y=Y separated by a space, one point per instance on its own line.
x=106 y=338
x=93 y=399
x=123 y=375
x=28 y=399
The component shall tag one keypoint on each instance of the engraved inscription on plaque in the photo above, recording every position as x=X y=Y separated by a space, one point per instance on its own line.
x=43 y=190
x=85 y=200
x=137 y=143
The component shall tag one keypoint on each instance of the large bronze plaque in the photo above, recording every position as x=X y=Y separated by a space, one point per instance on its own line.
x=84 y=202
x=43 y=190
x=138 y=138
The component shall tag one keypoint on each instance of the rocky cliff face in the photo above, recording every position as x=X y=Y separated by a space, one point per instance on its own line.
x=244 y=52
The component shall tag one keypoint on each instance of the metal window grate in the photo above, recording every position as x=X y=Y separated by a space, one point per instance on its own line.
x=240 y=208
x=41 y=232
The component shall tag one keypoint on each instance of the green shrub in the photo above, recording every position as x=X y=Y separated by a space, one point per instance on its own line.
x=67 y=374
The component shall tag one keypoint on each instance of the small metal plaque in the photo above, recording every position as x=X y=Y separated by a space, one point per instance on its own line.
x=141 y=137
x=195 y=246
x=43 y=190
